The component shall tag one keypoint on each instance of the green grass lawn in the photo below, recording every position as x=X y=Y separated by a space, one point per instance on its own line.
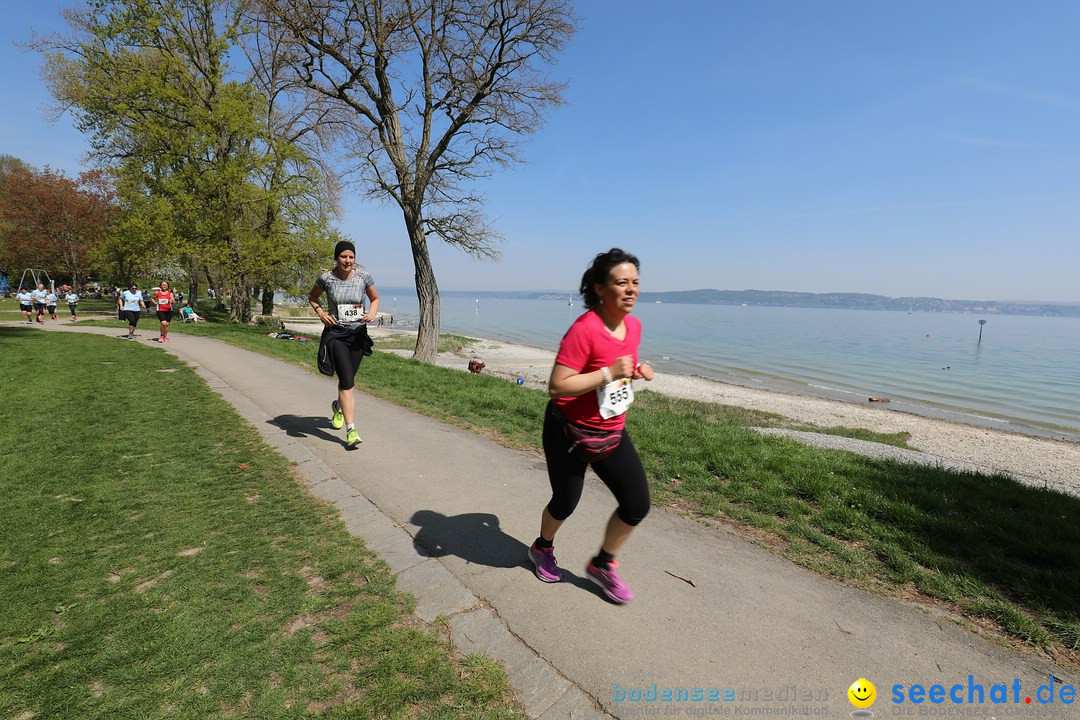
x=1001 y=554
x=158 y=560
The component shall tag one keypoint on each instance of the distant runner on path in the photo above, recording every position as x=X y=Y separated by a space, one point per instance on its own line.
x=38 y=296
x=345 y=340
x=26 y=305
x=591 y=390
x=163 y=299
x=50 y=305
x=72 y=299
x=131 y=305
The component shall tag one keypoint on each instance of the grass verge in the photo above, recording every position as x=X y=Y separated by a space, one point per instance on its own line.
x=158 y=560
x=1000 y=553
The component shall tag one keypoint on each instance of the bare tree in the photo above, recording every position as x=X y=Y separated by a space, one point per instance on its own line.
x=436 y=95
x=302 y=188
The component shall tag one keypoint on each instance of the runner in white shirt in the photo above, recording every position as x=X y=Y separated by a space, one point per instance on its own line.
x=50 y=305
x=26 y=305
x=131 y=304
x=38 y=296
x=72 y=299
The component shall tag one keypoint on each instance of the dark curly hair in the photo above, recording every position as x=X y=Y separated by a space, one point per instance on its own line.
x=598 y=272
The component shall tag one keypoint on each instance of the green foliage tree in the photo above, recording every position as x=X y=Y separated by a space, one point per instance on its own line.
x=431 y=95
x=8 y=164
x=51 y=221
x=150 y=82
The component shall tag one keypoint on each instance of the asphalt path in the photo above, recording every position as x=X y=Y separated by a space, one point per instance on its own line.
x=717 y=619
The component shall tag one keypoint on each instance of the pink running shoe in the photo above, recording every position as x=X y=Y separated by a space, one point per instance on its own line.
x=609 y=581
x=546 y=568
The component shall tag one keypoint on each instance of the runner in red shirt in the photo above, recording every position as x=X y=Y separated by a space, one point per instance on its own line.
x=163 y=300
x=591 y=390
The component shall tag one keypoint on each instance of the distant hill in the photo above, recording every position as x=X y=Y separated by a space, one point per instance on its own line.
x=859 y=301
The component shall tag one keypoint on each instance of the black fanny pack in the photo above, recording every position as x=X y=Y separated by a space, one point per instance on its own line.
x=588 y=444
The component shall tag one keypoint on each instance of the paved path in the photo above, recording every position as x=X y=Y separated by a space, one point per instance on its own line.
x=452 y=514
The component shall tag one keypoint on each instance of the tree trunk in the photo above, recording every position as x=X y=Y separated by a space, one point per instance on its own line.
x=427 y=290
x=193 y=285
x=217 y=287
x=239 y=299
x=267 y=300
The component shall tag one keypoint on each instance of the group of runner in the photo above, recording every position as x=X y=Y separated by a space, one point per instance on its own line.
x=130 y=306
x=584 y=424
x=36 y=303
x=590 y=389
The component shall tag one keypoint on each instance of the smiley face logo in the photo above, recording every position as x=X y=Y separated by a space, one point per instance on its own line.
x=862 y=693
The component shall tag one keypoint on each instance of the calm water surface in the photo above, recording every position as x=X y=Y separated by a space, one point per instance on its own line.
x=1024 y=375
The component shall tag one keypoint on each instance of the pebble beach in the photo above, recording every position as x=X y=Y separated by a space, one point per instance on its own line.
x=1036 y=461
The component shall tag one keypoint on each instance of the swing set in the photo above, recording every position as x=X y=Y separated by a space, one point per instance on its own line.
x=37 y=276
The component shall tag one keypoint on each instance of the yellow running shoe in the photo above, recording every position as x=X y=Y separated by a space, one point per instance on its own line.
x=352 y=438
x=338 y=420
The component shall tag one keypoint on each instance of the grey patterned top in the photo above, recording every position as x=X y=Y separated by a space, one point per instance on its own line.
x=352 y=291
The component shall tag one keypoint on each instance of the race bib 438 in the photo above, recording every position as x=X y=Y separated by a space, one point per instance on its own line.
x=349 y=313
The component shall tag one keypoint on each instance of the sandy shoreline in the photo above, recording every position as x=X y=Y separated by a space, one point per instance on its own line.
x=1034 y=459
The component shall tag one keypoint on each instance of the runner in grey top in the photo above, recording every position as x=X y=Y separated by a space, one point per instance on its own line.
x=351 y=293
x=345 y=340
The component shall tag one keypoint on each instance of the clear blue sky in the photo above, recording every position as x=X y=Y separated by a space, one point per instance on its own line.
x=899 y=148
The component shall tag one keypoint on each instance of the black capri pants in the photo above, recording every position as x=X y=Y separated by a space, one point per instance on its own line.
x=347 y=352
x=621 y=471
x=132 y=317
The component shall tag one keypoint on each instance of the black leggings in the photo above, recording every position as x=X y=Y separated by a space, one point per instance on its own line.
x=621 y=471
x=347 y=354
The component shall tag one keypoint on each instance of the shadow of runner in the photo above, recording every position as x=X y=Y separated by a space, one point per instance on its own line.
x=307 y=426
x=477 y=538
x=473 y=537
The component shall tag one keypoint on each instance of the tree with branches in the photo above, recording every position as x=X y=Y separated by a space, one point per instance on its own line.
x=52 y=221
x=435 y=95
x=204 y=181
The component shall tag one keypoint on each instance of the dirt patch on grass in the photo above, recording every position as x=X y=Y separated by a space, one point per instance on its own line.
x=143 y=587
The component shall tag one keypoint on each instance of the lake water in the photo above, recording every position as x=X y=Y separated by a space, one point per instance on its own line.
x=1024 y=375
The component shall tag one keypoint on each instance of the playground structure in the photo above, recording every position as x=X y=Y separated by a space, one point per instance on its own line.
x=36 y=276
